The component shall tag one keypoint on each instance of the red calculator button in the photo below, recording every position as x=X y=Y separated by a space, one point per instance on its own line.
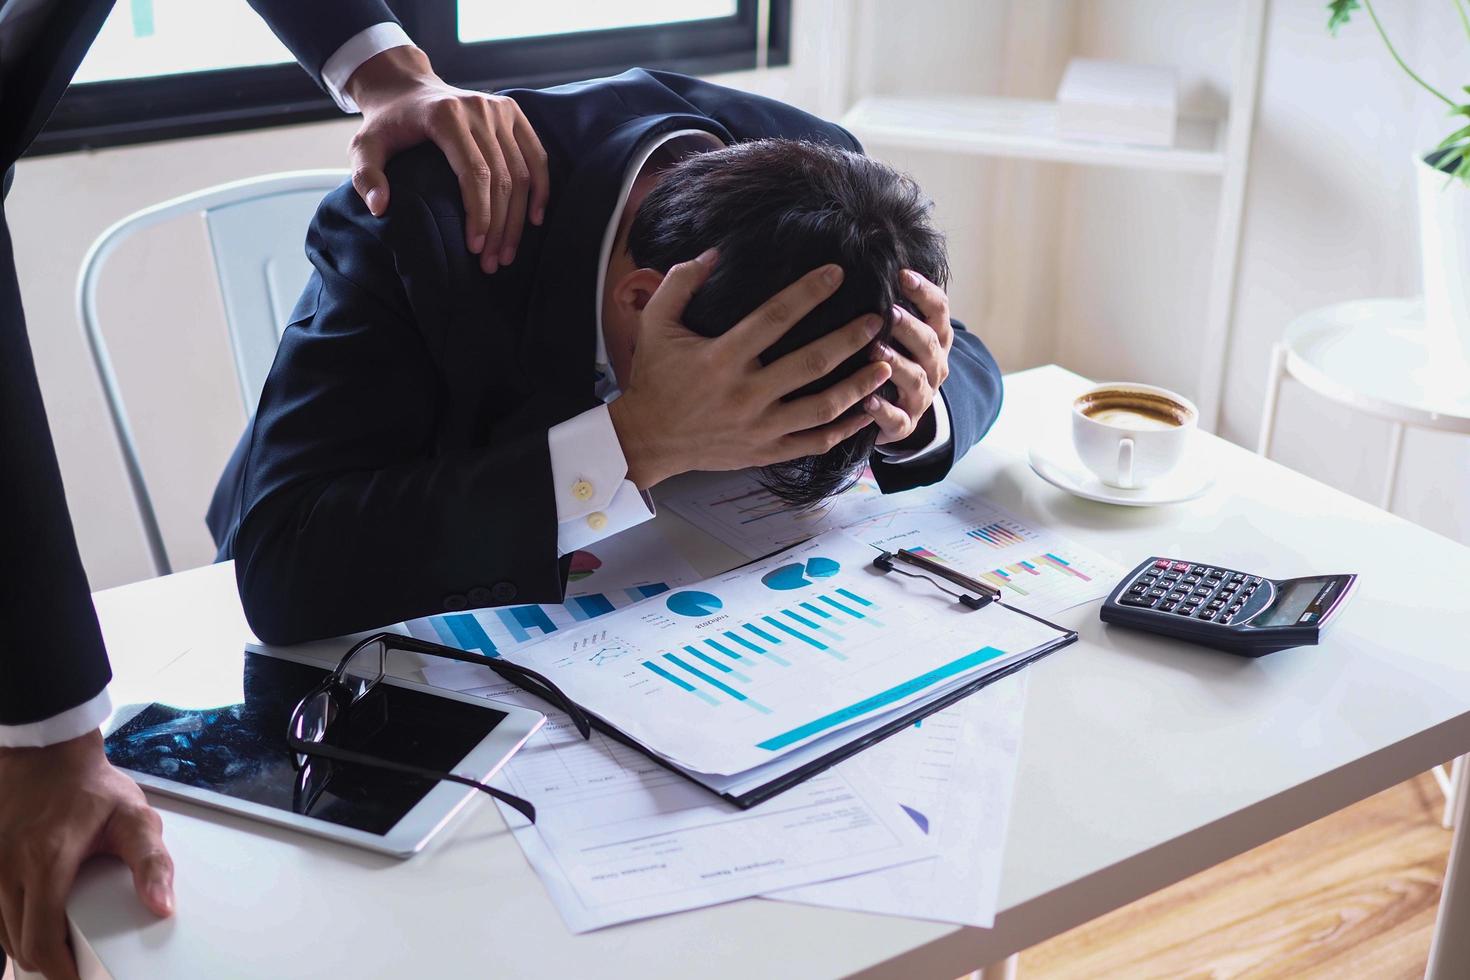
x=1162 y=563
x=1181 y=566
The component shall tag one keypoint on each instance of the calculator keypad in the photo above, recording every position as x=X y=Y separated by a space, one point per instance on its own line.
x=1213 y=595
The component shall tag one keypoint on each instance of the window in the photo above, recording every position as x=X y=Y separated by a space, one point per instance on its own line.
x=162 y=69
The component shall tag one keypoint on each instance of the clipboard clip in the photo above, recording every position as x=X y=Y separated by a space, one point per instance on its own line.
x=888 y=561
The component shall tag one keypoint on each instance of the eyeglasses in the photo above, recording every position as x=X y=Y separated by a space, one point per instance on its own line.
x=320 y=719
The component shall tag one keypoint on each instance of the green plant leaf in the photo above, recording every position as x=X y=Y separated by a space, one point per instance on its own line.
x=1339 y=12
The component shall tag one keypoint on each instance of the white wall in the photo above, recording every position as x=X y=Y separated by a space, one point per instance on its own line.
x=1329 y=216
x=1103 y=271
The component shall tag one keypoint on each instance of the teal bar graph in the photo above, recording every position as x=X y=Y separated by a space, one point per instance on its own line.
x=469 y=634
x=590 y=606
x=717 y=684
x=755 y=649
x=829 y=633
x=896 y=693
x=446 y=635
x=812 y=640
x=841 y=608
x=721 y=648
x=708 y=698
x=722 y=668
x=142 y=11
x=762 y=634
x=533 y=618
x=801 y=619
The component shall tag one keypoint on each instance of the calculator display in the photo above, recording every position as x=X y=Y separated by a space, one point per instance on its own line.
x=1292 y=602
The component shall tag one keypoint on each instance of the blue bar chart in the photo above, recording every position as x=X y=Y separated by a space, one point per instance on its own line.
x=718 y=670
x=489 y=632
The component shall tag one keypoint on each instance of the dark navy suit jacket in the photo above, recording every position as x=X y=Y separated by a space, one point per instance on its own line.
x=398 y=462
x=51 y=654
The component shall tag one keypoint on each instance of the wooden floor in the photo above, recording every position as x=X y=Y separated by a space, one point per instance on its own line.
x=1350 y=896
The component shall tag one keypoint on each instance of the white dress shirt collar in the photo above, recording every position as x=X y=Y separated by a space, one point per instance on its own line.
x=609 y=237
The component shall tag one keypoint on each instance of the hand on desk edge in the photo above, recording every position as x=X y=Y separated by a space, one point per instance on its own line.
x=60 y=805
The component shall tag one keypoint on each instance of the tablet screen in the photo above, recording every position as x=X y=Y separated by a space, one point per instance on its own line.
x=240 y=749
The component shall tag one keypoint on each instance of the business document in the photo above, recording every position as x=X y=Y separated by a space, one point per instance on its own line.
x=618 y=837
x=1036 y=569
x=728 y=675
x=953 y=774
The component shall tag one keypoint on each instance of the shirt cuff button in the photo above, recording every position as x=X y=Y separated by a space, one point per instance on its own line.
x=597 y=520
x=582 y=490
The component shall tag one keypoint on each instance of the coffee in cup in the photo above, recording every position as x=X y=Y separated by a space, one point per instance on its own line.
x=1131 y=434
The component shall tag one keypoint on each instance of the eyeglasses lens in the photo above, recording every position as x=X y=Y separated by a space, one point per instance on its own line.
x=365 y=669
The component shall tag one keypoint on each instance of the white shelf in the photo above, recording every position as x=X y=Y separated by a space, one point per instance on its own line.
x=1024 y=128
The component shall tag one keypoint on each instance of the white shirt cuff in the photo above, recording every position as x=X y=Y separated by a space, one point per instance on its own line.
x=71 y=723
x=594 y=498
x=940 y=441
x=349 y=57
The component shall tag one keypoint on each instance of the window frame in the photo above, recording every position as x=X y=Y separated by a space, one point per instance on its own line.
x=143 y=110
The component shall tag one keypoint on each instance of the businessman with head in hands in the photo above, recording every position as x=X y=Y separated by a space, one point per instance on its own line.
x=60 y=801
x=722 y=281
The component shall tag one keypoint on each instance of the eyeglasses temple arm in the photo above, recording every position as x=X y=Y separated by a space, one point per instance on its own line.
x=524 y=807
x=513 y=672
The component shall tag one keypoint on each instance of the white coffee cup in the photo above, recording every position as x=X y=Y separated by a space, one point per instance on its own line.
x=1132 y=434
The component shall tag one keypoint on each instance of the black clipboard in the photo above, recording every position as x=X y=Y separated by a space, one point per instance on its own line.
x=1065 y=637
x=846 y=751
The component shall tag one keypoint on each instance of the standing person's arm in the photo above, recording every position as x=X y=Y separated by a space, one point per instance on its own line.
x=60 y=800
x=362 y=57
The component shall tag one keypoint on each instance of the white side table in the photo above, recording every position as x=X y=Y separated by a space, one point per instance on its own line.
x=1372 y=355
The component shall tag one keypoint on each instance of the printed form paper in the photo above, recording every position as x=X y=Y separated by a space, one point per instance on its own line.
x=953 y=775
x=618 y=837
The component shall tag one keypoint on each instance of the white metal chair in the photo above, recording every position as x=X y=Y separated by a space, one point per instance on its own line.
x=256 y=228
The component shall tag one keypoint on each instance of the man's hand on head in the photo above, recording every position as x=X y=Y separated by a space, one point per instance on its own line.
x=921 y=366
x=698 y=403
x=59 y=805
x=500 y=163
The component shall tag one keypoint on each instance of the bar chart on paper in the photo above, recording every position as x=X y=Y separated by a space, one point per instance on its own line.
x=1035 y=569
x=489 y=631
x=727 y=675
x=631 y=567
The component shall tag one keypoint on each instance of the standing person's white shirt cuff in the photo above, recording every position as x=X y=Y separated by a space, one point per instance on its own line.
x=589 y=474
x=71 y=723
x=939 y=442
x=349 y=57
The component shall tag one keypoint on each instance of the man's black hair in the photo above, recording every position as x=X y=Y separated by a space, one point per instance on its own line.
x=777 y=209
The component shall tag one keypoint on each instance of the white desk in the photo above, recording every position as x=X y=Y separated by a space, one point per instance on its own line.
x=1144 y=761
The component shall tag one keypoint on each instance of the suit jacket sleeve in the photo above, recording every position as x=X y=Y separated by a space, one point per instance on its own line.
x=353 y=514
x=51 y=654
x=973 y=394
x=315 y=29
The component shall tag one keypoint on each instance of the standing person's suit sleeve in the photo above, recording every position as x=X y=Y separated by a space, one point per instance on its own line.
x=53 y=666
x=315 y=30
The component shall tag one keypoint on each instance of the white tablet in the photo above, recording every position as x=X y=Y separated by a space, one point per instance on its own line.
x=229 y=751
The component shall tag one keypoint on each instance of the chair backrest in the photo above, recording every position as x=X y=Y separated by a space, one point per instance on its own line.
x=256 y=228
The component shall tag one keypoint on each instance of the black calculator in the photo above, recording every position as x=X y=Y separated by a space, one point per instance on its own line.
x=1227 y=609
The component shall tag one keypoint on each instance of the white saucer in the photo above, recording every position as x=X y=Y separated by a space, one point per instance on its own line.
x=1059 y=466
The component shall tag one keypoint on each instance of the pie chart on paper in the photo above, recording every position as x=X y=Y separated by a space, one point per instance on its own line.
x=800 y=574
x=695 y=604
